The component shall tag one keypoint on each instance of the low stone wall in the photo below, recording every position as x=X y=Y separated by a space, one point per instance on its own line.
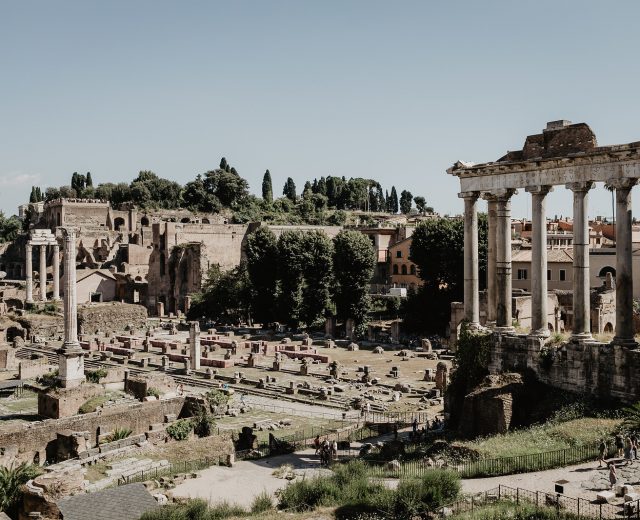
x=110 y=317
x=33 y=368
x=65 y=402
x=37 y=442
x=600 y=369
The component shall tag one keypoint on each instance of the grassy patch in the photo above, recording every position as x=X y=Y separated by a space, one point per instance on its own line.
x=92 y=404
x=546 y=437
x=507 y=510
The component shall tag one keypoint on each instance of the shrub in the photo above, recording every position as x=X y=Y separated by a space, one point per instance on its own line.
x=12 y=479
x=261 y=503
x=203 y=424
x=197 y=509
x=216 y=398
x=91 y=405
x=153 y=392
x=180 y=429
x=119 y=434
x=50 y=379
x=94 y=376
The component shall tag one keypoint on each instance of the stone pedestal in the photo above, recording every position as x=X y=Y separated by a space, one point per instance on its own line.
x=194 y=344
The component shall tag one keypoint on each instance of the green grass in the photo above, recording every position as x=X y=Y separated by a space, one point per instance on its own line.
x=92 y=404
x=507 y=510
x=549 y=436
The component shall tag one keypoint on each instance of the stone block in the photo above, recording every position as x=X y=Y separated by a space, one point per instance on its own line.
x=605 y=496
x=631 y=497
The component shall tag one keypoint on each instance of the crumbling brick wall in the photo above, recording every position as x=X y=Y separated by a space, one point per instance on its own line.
x=110 y=317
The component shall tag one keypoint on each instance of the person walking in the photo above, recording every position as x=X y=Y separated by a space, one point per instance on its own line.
x=415 y=426
x=628 y=448
x=634 y=445
x=316 y=443
x=602 y=453
x=619 y=444
x=613 y=477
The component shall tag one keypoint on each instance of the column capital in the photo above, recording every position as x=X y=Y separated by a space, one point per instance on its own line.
x=469 y=195
x=501 y=194
x=580 y=186
x=539 y=190
x=624 y=183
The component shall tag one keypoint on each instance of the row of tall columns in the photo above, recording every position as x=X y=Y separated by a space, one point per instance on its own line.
x=43 y=272
x=499 y=281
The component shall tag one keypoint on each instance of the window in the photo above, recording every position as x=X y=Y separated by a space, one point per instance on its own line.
x=548 y=274
x=522 y=274
x=404 y=269
x=395 y=268
x=398 y=254
x=563 y=275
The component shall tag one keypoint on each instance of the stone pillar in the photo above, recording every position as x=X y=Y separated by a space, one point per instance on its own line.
x=624 y=258
x=43 y=272
x=56 y=272
x=539 y=309
x=471 y=287
x=29 y=272
x=194 y=344
x=491 y=258
x=503 y=261
x=581 y=293
x=70 y=356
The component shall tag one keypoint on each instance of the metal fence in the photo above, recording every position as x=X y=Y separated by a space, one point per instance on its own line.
x=556 y=503
x=176 y=468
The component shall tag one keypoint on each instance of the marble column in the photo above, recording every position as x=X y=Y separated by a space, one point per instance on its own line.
x=43 y=272
x=624 y=258
x=491 y=258
x=194 y=345
x=56 y=272
x=70 y=356
x=581 y=286
x=503 y=261
x=539 y=309
x=29 y=272
x=471 y=288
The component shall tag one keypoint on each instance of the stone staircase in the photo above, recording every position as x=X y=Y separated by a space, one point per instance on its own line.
x=126 y=468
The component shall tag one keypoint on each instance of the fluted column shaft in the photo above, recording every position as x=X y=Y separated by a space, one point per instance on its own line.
x=581 y=293
x=624 y=259
x=539 y=260
x=43 y=273
x=70 y=296
x=56 y=272
x=503 y=260
x=471 y=286
x=29 y=272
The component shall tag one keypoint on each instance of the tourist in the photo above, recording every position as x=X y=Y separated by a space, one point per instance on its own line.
x=613 y=477
x=334 y=449
x=316 y=443
x=634 y=445
x=415 y=426
x=619 y=445
x=602 y=454
x=628 y=448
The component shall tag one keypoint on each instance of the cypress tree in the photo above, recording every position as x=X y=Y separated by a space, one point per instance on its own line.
x=32 y=197
x=89 y=180
x=289 y=189
x=223 y=164
x=267 y=188
x=394 y=200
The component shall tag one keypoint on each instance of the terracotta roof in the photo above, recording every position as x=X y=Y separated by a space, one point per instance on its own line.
x=553 y=255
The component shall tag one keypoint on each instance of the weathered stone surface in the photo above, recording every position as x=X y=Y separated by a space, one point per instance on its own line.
x=113 y=316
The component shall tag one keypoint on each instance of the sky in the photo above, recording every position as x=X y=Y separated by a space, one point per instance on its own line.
x=394 y=91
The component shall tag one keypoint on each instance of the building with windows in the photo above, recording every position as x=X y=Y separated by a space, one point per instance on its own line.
x=402 y=271
x=559 y=269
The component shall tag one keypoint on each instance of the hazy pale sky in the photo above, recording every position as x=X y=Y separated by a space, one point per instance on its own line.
x=395 y=91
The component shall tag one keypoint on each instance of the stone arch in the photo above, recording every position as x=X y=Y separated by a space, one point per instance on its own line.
x=206 y=221
x=395 y=268
x=608 y=328
x=144 y=221
x=119 y=224
x=607 y=269
x=404 y=269
x=185 y=220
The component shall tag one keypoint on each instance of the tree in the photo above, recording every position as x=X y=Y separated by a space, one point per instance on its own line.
x=289 y=189
x=393 y=208
x=318 y=276
x=405 y=202
x=12 y=479
x=223 y=164
x=196 y=197
x=307 y=192
x=78 y=183
x=228 y=187
x=89 y=179
x=262 y=264
x=9 y=228
x=421 y=204
x=353 y=265
x=33 y=196
x=267 y=189
x=437 y=249
x=291 y=263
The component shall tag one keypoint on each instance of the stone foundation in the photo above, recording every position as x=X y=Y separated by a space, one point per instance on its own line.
x=601 y=369
x=110 y=317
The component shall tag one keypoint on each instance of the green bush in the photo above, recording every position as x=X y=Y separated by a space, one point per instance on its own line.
x=12 y=479
x=203 y=424
x=119 y=434
x=153 y=392
x=197 y=509
x=217 y=397
x=94 y=376
x=261 y=503
x=91 y=405
x=180 y=429
x=50 y=379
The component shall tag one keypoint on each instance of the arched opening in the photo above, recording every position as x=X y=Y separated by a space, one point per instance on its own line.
x=608 y=328
x=206 y=221
x=412 y=270
x=395 y=268
x=185 y=220
x=118 y=224
x=551 y=327
x=404 y=269
x=607 y=269
x=144 y=221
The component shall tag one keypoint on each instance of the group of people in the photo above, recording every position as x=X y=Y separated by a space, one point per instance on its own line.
x=327 y=449
x=626 y=447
